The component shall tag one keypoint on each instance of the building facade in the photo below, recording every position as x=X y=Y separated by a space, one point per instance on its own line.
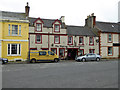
x=109 y=35
x=66 y=41
x=14 y=28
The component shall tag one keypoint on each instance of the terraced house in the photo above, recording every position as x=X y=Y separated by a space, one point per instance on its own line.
x=109 y=36
x=14 y=28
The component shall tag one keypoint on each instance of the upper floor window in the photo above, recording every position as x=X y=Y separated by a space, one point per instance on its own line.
x=38 y=27
x=9 y=29
x=91 y=41
x=14 y=29
x=81 y=41
x=19 y=29
x=70 y=40
x=38 y=38
x=56 y=39
x=57 y=28
x=109 y=37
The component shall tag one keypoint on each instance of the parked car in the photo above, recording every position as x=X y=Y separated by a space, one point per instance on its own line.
x=3 y=60
x=43 y=55
x=89 y=57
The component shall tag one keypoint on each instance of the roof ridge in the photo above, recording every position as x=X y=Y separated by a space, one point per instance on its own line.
x=107 y=22
x=13 y=12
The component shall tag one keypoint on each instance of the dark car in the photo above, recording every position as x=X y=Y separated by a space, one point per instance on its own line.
x=3 y=60
x=89 y=57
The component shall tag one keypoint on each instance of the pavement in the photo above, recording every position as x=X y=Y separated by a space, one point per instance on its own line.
x=27 y=62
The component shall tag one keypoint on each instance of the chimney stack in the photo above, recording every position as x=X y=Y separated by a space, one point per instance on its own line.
x=62 y=18
x=90 y=21
x=27 y=9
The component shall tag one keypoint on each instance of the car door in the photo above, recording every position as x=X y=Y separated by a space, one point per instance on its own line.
x=88 y=56
x=51 y=55
x=42 y=56
x=93 y=57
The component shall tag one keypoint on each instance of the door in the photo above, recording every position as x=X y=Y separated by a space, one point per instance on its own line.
x=42 y=56
x=51 y=55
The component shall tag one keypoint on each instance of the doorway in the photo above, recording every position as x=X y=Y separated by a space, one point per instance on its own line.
x=72 y=53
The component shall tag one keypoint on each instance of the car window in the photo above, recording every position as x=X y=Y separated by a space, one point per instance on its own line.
x=50 y=53
x=42 y=53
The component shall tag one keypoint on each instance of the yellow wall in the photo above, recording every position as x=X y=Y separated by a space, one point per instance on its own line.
x=24 y=30
x=9 y=39
x=24 y=50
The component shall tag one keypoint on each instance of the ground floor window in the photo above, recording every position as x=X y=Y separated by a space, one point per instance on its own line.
x=91 y=50
x=54 y=50
x=61 y=52
x=14 y=49
x=81 y=52
x=110 y=51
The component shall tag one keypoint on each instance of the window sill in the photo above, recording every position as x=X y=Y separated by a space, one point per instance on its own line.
x=13 y=55
x=15 y=35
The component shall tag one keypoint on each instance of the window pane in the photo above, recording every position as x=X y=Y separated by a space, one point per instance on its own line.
x=19 y=29
x=9 y=29
x=38 y=38
x=54 y=50
x=81 y=52
x=56 y=39
x=70 y=40
x=56 y=27
x=14 y=29
x=81 y=40
x=38 y=27
x=42 y=53
x=8 y=49
x=19 y=49
x=91 y=40
x=13 y=48
x=62 y=52
x=109 y=50
x=110 y=37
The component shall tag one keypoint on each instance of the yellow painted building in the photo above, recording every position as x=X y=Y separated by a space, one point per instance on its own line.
x=14 y=28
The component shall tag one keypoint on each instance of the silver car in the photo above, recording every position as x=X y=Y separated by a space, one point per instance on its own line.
x=89 y=57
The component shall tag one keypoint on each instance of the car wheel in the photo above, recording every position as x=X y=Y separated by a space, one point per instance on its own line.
x=83 y=59
x=33 y=61
x=56 y=60
x=97 y=59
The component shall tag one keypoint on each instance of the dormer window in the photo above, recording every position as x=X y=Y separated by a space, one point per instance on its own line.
x=57 y=28
x=39 y=27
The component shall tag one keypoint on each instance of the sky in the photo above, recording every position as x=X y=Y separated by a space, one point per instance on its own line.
x=75 y=11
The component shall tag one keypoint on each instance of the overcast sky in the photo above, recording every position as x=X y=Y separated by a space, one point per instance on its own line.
x=75 y=11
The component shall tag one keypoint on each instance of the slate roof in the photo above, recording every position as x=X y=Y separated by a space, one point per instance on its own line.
x=12 y=15
x=107 y=27
x=47 y=22
x=79 y=30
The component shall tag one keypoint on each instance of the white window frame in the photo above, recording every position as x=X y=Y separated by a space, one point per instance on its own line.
x=18 y=50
